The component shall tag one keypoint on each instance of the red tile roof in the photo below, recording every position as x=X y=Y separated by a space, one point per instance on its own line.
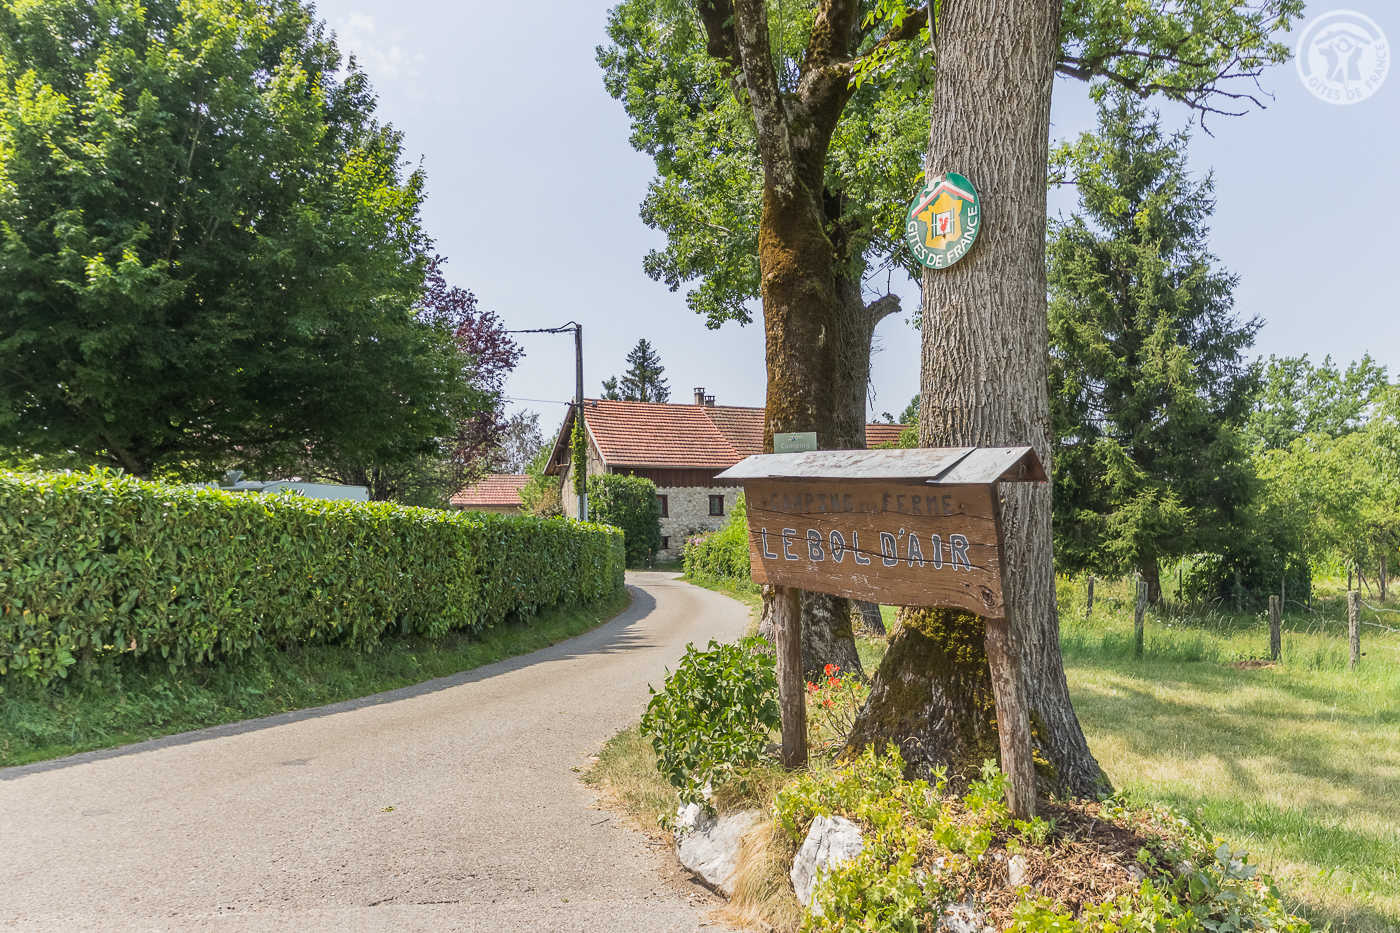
x=495 y=489
x=662 y=435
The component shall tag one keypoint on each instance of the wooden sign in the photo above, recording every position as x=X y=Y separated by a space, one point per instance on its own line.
x=915 y=527
x=902 y=544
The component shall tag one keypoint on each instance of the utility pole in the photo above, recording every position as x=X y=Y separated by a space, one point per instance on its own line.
x=577 y=328
x=578 y=413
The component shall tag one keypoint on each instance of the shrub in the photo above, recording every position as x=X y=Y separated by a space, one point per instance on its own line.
x=722 y=554
x=714 y=714
x=101 y=569
x=629 y=503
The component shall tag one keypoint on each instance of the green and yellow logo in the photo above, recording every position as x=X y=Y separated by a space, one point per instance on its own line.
x=943 y=221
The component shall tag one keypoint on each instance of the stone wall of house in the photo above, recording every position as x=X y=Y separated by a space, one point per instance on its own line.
x=689 y=513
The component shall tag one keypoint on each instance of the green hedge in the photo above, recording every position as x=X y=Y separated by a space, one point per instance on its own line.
x=722 y=554
x=98 y=569
x=629 y=503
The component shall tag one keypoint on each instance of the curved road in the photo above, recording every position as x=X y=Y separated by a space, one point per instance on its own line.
x=452 y=805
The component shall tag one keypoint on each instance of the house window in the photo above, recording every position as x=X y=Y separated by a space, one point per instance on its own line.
x=716 y=505
x=665 y=507
x=665 y=543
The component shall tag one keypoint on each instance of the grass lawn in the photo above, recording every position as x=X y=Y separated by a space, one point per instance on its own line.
x=1298 y=762
x=150 y=702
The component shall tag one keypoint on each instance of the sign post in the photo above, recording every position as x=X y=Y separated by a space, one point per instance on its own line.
x=918 y=527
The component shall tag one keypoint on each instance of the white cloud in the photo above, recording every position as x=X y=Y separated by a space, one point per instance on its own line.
x=380 y=54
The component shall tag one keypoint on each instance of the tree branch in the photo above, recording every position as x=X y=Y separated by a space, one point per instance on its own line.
x=750 y=30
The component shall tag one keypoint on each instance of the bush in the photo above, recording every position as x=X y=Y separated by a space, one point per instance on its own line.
x=97 y=569
x=629 y=503
x=714 y=714
x=722 y=554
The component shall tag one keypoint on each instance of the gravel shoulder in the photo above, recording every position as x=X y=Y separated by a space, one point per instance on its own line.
x=450 y=805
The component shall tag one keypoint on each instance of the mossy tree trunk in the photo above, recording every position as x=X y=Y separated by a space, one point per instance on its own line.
x=817 y=328
x=984 y=383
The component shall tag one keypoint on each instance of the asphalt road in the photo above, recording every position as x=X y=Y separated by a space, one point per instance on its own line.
x=452 y=805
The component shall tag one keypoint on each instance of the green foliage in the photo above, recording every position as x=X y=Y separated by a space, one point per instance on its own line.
x=705 y=196
x=629 y=503
x=923 y=847
x=540 y=494
x=211 y=248
x=578 y=452
x=714 y=714
x=723 y=554
x=1298 y=397
x=643 y=381
x=1338 y=497
x=1148 y=382
x=100 y=570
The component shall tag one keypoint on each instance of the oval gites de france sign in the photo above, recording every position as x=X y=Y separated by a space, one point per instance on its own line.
x=943 y=221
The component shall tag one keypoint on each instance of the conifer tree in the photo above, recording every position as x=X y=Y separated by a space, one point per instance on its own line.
x=643 y=381
x=1148 y=383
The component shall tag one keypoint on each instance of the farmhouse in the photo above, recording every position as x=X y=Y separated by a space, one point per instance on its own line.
x=494 y=492
x=678 y=447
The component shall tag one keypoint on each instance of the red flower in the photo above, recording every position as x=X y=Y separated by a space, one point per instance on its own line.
x=833 y=682
x=831 y=669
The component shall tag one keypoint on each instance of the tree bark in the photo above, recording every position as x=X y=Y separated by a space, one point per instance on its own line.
x=1151 y=575
x=870 y=616
x=984 y=383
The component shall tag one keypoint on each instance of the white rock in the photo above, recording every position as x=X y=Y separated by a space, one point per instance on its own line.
x=830 y=841
x=962 y=918
x=1136 y=873
x=1016 y=870
x=711 y=853
x=693 y=817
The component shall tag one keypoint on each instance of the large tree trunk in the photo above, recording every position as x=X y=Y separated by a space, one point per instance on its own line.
x=827 y=636
x=984 y=382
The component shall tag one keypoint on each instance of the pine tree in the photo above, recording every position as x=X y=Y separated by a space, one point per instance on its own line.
x=643 y=381
x=1148 y=384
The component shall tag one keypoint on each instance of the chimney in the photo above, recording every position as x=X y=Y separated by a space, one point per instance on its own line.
x=699 y=395
x=710 y=401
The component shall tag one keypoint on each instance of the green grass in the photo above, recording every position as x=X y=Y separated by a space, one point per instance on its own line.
x=150 y=702
x=1298 y=762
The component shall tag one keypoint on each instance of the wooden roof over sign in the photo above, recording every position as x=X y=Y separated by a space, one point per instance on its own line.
x=938 y=466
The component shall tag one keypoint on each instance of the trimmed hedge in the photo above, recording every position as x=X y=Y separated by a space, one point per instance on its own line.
x=723 y=554
x=629 y=503
x=99 y=569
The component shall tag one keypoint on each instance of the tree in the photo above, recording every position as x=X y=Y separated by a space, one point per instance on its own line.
x=629 y=503
x=783 y=151
x=984 y=376
x=1148 y=384
x=643 y=381
x=209 y=246
x=519 y=445
x=470 y=422
x=1299 y=397
x=679 y=71
x=541 y=493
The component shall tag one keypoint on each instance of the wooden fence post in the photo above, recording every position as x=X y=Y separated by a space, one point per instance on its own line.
x=792 y=693
x=1139 y=611
x=1089 y=600
x=1275 y=632
x=1354 y=626
x=1013 y=719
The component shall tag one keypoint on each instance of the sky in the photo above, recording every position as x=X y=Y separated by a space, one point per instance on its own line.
x=533 y=194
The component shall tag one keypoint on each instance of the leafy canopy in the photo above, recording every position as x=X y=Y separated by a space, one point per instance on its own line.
x=208 y=242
